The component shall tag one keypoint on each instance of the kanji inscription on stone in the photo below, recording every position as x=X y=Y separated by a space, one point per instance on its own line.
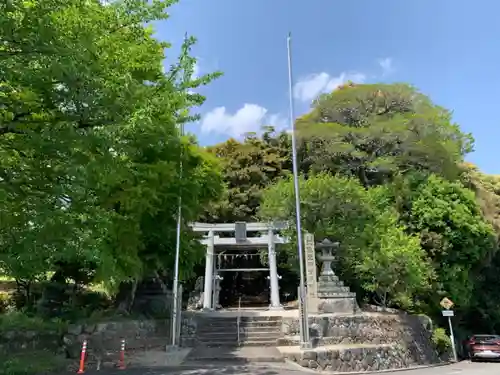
x=310 y=253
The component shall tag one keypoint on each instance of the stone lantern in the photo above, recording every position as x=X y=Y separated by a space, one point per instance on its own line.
x=333 y=295
x=326 y=256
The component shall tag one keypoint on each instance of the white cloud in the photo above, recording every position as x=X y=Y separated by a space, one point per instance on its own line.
x=309 y=87
x=277 y=121
x=386 y=65
x=249 y=118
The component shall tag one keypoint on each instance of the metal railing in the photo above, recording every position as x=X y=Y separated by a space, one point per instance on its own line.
x=238 y=320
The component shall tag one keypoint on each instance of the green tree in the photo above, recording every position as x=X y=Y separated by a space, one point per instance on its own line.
x=484 y=312
x=249 y=167
x=394 y=267
x=89 y=139
x=376 y=131
x=454 y=234
x=487 y=190
x=375 y=253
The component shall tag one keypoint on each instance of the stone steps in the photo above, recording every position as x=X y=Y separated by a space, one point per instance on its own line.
x=243 y=332
x=234 y=335
x=233 y=343
x=250 y=328
x=260 y=330
x=260 y=319
x=259 y=325
x=253 y=331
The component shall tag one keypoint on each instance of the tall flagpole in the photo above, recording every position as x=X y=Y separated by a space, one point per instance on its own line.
x=175 y=286
x=304 y=326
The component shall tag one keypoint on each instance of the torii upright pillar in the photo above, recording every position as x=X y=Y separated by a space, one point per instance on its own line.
x=273 y=273
x=209 y=272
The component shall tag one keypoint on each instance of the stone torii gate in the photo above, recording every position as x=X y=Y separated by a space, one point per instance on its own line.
x=267 y=236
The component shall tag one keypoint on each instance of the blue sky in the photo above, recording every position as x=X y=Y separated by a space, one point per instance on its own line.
x=448 y=49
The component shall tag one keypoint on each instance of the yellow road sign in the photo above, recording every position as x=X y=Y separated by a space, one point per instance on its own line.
x=446 y=303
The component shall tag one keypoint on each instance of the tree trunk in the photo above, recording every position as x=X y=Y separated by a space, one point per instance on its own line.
x=126 y=296
x=23 y=290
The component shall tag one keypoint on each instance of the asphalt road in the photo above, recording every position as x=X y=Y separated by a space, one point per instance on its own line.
x=462 y=368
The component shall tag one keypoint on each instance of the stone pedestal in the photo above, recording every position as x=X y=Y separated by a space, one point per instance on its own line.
x=335 y=297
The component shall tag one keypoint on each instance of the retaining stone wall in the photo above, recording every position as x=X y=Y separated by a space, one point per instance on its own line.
x=106 y=337
x=101 y=337
x=405 y=331
x=384 y=357
x=13 y=341
x=189 y=328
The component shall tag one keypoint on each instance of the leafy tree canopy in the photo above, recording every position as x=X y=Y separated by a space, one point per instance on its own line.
x=453 y=232
x=375 y=252
x=249 y=166
x=89 y=139
x=375 y=131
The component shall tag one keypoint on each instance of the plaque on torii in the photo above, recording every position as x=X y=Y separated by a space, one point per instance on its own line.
x=240 y=231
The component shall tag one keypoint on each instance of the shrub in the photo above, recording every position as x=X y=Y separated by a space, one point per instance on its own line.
x=5 y=302
x=19 y=321
x=63 y=301
x=441 y=341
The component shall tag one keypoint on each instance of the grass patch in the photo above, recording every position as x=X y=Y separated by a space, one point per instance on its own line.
x=32 y=363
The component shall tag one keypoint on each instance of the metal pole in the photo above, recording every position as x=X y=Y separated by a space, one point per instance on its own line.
x=175 y=286
x=304 y=332
x=179 y=317
x=452 y=338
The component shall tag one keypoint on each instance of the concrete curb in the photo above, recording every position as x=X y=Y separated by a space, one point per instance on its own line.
x=296 y=365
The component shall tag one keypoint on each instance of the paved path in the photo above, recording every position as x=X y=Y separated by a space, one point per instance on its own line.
x=242 y=354
x=462 y=368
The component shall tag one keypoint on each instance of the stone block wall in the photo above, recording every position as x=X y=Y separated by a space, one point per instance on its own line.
x=382 y=357
x=101 y=337
x=103 y=340
x=12 y=341
x=189 y=328
x=106 y=337
x=405 y=331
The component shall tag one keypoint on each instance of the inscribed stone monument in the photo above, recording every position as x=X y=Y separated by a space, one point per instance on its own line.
x=312 y=287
